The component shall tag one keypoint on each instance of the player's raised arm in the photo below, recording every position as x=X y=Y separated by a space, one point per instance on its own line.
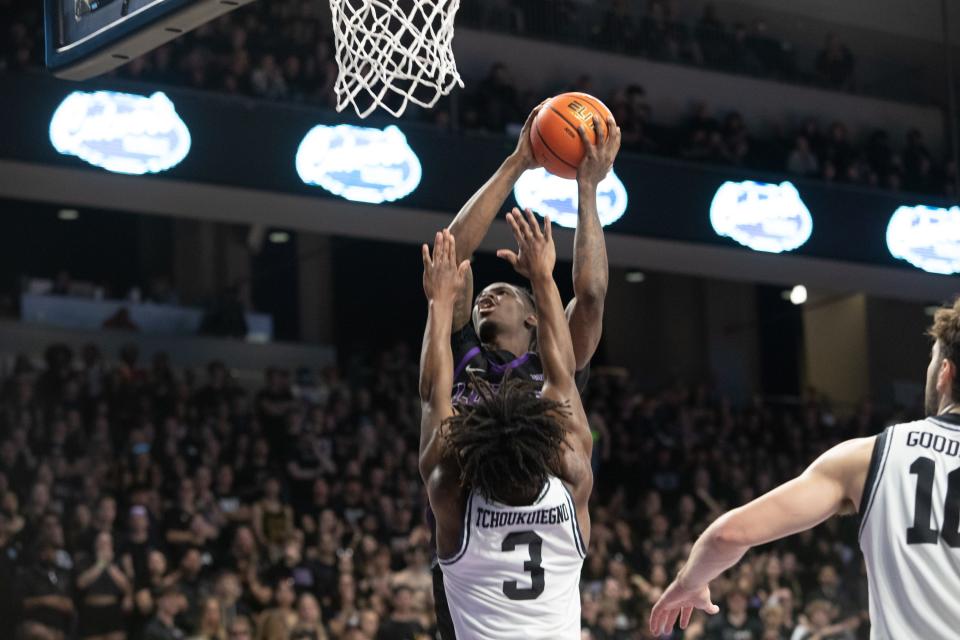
x=473 y=221
x=443 y=277
x=535 y=259
x=590 y=270
x=832 y=482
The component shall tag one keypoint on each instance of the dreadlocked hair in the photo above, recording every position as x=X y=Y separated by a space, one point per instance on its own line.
x=509 y=441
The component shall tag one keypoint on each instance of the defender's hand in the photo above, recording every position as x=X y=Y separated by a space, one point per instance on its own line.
x=678 y=602
x=598 y=158
x=443 y=278
x=536 y=254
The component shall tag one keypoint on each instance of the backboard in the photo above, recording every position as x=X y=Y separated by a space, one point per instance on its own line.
x=85 y=38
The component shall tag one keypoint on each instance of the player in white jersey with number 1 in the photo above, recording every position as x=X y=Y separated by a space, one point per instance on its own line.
x=508 y=477
x=905 y=486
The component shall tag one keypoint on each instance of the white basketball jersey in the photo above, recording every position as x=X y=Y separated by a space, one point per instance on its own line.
x=910 y=531
x=517 y=572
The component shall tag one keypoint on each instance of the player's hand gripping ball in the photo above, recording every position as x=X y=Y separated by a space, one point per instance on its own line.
x=555 y=137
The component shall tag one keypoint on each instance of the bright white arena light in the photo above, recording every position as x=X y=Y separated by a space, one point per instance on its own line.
x=798 y=295
x=279 y=237
x=120 y=132
x=546 y=194
x=762 y=216
x=926 y=237
x=68 y=214
x=362 y=164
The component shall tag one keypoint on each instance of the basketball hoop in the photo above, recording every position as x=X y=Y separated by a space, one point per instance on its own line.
x=393 y=52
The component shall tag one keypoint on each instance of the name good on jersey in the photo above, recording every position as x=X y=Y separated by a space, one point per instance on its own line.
x=910 y=530
x=517 y=572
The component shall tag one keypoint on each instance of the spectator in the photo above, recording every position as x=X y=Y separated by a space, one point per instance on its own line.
x=658 y=39
x=194 y=586
x=735 y=623
x=279 y=621
x=240 y=629
x=46 y=596
x=735 y=138
x=163 y=624
x=226 y=316
x=819 y=625
x=835 y=63
x=712 y=37
x=404 y=623
x=309 y=620
x=499 y=103
x=272 y=519
x=773 y=55
x=137 y=546
x=211 y=621
x=267 y=79
x=607 y=624
x=917 y=161
x=742 y=56
x=802 y=161
x=837 y=148
x=104 y=593
x=618 y=30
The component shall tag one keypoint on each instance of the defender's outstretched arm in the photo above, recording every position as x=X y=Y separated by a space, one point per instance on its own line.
x=834 y=480
x=535 y=260
x=442 y=278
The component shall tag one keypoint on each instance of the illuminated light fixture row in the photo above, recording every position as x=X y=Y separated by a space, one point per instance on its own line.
x=135 y=134
x=773 y=218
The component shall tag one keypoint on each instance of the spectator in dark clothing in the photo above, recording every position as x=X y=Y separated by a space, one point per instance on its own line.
x=735 y=623
x=226 y=316
x=835 y=64
x=878 y=152
x=916 y=158
x=499 y=101
x=163 y=625
x=135 y=550
x=606 y=627
x=104 y=593
x=403 y=623
x=712 y=37
x=46 y=596
x=618 y=30
x=837 y=148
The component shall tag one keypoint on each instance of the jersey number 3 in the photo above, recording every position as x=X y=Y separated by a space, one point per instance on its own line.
x=535 y=545
x=921 y=532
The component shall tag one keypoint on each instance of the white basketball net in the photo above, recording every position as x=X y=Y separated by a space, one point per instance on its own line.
x=391 y=53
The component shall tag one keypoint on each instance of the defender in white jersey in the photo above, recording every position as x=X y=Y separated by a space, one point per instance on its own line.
x=905 y=485
x=508 y=477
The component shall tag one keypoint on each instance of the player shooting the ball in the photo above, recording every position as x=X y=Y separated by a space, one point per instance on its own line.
x=496 y=331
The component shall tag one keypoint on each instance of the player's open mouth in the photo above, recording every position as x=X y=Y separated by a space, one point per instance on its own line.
x=485 y=307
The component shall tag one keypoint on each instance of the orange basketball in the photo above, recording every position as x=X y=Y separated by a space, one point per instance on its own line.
x=554 y=136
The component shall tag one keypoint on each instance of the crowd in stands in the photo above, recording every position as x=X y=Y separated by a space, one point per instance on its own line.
x=144 y=502
x=283 y=51
x=655 y=29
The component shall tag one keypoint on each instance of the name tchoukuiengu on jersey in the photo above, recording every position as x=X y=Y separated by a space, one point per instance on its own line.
x=472 y=359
